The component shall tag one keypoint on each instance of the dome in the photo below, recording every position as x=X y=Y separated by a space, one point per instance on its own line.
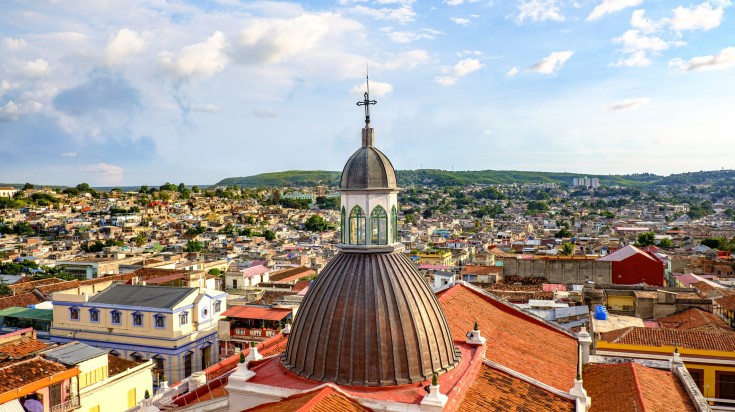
x=368 y=168
x=370 y=320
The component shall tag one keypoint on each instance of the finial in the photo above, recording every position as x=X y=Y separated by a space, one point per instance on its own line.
x=366 y=101
x=477 y=327
x=434 y=379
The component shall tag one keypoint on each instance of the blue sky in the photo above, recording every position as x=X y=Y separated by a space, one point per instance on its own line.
x=144 y=92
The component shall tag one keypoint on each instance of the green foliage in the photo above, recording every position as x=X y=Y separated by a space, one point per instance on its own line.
x=214 y=272
x=493 y=211
x=28 y=186
x=665 y=243
x=489 y=193
x=566 y=249
x=5 y=290
x=645 y=239
x=139 y=240
x=249 y=220
x=95 y=247
x=729 y=213
x=721 y=243
x=194 y=246
x=269 y=235
x=317 y=223
x=23 y=266
x=301 y=204
x=169 y=186
x=537 y=206
x=122 y=211
x=700 y=211
x=331 y=203
x=195 y=230
x=563 y=233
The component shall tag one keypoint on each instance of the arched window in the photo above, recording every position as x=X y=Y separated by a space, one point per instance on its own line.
x=378 y=226
x=394 y=221
x=357 y=226
x=343 y=226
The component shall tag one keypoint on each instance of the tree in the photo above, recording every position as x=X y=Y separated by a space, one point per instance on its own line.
x=269 y=235
x=316 y=223
x=139 y=240
x=181 y=187
x=28 y=186
x=215 y=272
x=566 y=249
x=537 y=206
x=665 y=243
x=711 y=243
x=5 y=290
x=143 y=189
x=563 y=233
x=645 y=239
x=194 y=246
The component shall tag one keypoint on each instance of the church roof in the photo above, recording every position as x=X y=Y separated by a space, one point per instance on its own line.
x=368 y=168
x=370 y=320
x=324 y=399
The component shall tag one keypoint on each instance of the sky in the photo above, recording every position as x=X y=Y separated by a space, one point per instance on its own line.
x=144 y=92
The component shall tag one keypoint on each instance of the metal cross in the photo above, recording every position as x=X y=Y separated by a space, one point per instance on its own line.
x=367 y=102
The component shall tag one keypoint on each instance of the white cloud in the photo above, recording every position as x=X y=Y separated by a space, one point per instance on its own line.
x=637 y=59
x=633 y=41
x=265 y=113
x=124 y=43
x=6 y=86
x=107 y=173
x=458 y=2
x=551 y=63
x=376 y=89
x=14 y=44
x=34 y=69
x=404 y=61
x=701 y=17
x=539 y=10
x=512 y=72
x=403 y=14
x=725 y=59
x=640 y=22
x=487 y=132
x=275 y=40
x=629 y=104
x=611 y=6
x=205 y=108
x=408 y=37
x=461 y=69
x=200 y=59
x=459 y=20
x=69 y=154
x=467 y=66
x=445 y=80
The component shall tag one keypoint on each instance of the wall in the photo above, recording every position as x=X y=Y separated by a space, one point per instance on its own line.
x=559 y=271
x=638 y=269
x=111 y=395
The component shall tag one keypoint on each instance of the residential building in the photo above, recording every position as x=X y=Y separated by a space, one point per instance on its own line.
x=631 y=265
x=176 y=327
x=8 y=191
x=250 y=323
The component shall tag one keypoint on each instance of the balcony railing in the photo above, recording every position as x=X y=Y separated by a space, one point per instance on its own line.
x=252 y=333
x=69 y=405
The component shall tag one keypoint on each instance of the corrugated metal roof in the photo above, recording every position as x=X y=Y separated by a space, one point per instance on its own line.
x=164 y=297
x=28 y=313
x=74 y=353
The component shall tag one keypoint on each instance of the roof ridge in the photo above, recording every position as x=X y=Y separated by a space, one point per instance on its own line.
x=637 y=386
x=527 y=379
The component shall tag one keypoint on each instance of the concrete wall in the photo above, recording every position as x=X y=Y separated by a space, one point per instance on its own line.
x=559 y=271
x=111 y=395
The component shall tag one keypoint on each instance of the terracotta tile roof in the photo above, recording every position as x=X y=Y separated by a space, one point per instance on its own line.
x=28 y=371
x=257 y=312
x=494 y=390
x=727 y=302
x=481 y=270
x=58 y=287
x=21 y=347
x=25 y=287
x=629 y=386
x=290 y=274
x=300 y=285
x=325 y=399
x=23 y=300
x=116 y=365
x=514 y=338
x=152 y=273
x=694 y=319
x=269 y=297
x=690 y=339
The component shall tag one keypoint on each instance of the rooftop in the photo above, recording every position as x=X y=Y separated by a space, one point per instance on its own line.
x=74 y=353
x=256 y=312
x=163 y=297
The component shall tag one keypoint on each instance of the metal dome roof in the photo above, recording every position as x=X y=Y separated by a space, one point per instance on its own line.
x=368 y=168
x=370 y=320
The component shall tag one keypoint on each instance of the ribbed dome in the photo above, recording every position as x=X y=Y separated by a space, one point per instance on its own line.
x=370 y=320
x=368 y=168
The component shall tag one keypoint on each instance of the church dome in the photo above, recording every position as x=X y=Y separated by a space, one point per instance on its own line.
x=370 y=319
x=368 y=168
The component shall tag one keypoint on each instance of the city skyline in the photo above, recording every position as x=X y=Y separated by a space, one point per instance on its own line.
x=201 y=91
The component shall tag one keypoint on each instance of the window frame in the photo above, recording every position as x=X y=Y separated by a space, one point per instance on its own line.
x=378 y=218
x=119 y=317
x=133 y=316
x=358 y=226
x=217 y=306
x=184 y=318
x=94 y=311
x=156 y=317
x=74 y=310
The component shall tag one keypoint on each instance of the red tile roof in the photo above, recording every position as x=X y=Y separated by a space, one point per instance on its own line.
x=632 y=387
x=256 y=312
x=26 y=372
x=118 y=365
x=25 y=287
x=23 y=300
x=20 y=348
x=325 y=399
x=290 y=274
x=694 y=319
x=515 y=339
x=690 y=339
x=494 y=390
x=481 y=270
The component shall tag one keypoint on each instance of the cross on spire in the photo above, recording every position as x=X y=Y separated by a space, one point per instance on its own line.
x=367 y=102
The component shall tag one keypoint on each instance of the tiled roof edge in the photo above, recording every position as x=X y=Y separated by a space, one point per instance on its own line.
x=637 y=388
x=527 y=379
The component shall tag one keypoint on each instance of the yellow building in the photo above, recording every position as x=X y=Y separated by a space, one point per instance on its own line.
x=709 y=356
x=432 y=257
x=106 y=383
x=174 y=327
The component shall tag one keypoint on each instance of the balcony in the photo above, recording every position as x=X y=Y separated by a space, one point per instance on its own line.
x=69 y=405
x=252 y=333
